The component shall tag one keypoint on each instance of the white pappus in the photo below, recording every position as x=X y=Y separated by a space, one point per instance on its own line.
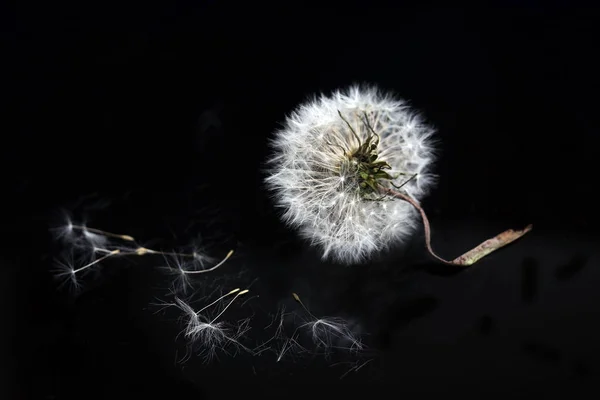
x=318 y=178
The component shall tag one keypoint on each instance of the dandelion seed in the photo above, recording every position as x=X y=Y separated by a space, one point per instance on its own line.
x=214 y=267
x=88 y=231
x=67 y=272
x=184 y=271
x=280 y=344
x=330 y=332
x=206 y=335
x=110 y=254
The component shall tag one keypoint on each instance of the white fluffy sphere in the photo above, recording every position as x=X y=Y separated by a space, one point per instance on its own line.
x=314 y=179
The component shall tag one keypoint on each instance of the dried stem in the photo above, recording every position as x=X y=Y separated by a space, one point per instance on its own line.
x=471 y=256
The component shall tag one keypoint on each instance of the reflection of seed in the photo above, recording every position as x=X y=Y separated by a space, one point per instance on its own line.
x=570 y=269
x=486 y=324
x=541 y=352
x=529 y=277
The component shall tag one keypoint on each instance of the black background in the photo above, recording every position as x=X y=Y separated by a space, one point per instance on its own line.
x=113 y=111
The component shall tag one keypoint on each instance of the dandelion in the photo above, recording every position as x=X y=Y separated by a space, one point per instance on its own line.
x=349 y=170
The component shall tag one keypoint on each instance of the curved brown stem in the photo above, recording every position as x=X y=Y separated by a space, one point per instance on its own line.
x=471 y=256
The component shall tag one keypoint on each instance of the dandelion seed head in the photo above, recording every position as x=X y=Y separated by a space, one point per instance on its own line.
x=316 y=179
